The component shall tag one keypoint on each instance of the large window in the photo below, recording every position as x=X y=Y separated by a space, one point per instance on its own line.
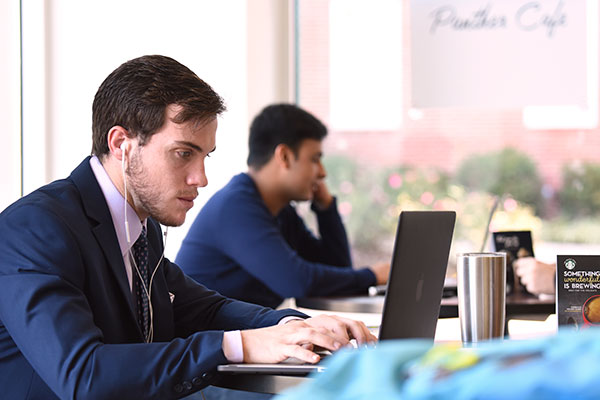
x=68 y=38
x=539 y=162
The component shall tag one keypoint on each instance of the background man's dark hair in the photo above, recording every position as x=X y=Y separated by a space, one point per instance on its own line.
x=136 y=95
x=281 y=124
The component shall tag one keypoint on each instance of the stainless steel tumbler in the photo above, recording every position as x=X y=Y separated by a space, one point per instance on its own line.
x=481 y=283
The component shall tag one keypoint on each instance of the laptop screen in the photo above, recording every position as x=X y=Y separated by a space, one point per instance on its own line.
x=415 y=286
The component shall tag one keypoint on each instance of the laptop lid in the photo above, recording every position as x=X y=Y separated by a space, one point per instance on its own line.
x=415 y=286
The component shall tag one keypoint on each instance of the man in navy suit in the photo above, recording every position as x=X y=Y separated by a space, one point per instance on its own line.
x=80 y=315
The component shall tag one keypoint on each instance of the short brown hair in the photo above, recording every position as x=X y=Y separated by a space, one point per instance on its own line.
x=136 y=95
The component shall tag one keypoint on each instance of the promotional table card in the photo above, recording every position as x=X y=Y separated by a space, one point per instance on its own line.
x=578 y=290
x=515 y=244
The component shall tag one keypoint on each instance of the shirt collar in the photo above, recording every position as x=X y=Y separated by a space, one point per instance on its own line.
x=115 y=202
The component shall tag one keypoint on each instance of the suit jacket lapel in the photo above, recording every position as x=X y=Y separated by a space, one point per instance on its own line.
x=96 y=208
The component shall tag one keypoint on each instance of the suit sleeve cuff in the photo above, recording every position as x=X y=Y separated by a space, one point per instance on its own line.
x=232 y=346
x=367 y=277
x=330 y=208
x=285 y=320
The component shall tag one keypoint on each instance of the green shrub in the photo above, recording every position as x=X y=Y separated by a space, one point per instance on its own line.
x=580 y=193
x=360 y=200
x=504 y=172
x=571 y=230
x=371 y=197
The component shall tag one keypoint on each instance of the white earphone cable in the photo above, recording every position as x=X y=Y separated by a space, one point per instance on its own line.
x=150 y=337
x=125 y=194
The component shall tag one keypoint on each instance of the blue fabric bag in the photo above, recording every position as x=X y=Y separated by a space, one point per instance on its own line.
x=563 y=366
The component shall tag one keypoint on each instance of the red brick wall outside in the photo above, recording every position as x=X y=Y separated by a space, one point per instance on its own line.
x=442 y=137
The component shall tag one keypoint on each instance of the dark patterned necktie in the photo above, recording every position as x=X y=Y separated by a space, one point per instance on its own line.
x=140 y=255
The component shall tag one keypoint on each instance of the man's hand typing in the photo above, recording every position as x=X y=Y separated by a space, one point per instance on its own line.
x=298 y=338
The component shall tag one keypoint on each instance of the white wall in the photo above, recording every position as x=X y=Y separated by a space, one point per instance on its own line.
x=270 y=53
x=10 y=103
x=70 y=46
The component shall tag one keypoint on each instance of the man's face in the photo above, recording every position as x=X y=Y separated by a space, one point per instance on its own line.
x=306 y=171
x=163 y=175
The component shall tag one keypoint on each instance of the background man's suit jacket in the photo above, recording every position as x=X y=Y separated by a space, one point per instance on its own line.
x=67 y=321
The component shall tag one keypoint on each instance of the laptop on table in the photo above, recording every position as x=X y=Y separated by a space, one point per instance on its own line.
x=414 y=291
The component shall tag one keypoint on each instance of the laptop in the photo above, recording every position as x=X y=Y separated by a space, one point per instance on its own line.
x=412 y=301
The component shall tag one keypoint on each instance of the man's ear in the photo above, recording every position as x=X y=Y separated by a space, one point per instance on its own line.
x=118 y=141
x=283 y=155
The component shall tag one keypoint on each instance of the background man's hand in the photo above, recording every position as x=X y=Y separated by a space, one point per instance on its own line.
x=536 y=276
x=381 y=271
x=321 y=196
x=297 y=338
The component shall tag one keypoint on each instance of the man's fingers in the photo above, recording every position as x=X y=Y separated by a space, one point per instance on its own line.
x=331 y=326
x=297 y=339
x=319 y=336
x=344 y=329
x=523 y=270
x=303 y=354
x=308 y=346
x=525 y=280
x=358 y=330
x=304 y=334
